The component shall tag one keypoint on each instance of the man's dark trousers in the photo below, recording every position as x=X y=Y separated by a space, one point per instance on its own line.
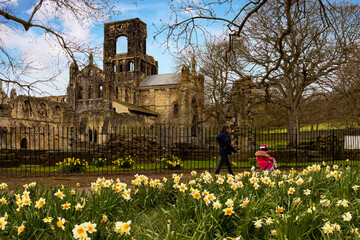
x=224 y=158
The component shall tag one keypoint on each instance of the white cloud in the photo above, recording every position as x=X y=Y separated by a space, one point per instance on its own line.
x=41 y=49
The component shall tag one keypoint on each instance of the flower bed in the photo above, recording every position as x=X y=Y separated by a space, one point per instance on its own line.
x=126 y=162
x=172 y=162
x=319 y=202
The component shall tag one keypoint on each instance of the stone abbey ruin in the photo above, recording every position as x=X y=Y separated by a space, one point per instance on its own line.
x=128 y=91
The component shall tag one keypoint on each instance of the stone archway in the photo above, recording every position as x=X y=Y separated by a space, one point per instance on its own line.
x=24 y=143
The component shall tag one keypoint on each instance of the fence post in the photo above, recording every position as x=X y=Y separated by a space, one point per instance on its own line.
x=296 y=146
x=333 y=146
x=254 y=138
x=160 y=146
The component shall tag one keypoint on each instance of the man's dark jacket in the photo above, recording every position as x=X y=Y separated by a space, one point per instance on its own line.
x=225 y=143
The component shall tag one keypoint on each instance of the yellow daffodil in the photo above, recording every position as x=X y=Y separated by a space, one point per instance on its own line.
x=59 y=194
x=307 y=191
x=347 y=217
x=291 y=190
x=122 y=228
x=245 y=202
x=60 y=223
x=48 y=220
x=3 y=201
x=3 y=223
x=229 y=203
x=66 y=206
x=258 y=223
x=217 y=205
x=228 y=211
x=327 y=228
x=21 y=229
x=79 y=232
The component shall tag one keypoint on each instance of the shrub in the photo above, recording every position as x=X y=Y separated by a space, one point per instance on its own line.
x=126 y=162
x=173 y=162
x=70 y=165
x=100 y=162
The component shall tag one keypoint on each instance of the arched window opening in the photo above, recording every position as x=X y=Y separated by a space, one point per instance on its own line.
x=56 y=143
x=176 y=110
x=79 y=93
x=114 y=67
x=122 y=44
x=90 y=135
x=130 y=66
x=120 y=67
x=89 y=92
x=57 y=109
x=23 y=143
x=95 y=136
x=91 y=72
x=153 y=70
x=117 y=92
x=26 y=106
x=42 y=110
x=100 y=91
x=193 y=102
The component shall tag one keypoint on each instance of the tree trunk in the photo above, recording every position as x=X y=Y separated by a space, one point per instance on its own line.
x=221 y=118
x=293 y=127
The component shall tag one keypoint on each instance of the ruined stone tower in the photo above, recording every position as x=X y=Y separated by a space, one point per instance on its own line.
x=129 y=82
x=85 y=90
x=124 y=71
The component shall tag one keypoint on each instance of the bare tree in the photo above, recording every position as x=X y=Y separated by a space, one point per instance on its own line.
x=45 y=17
x=310 y=55
x=294 y=46
x=219 y=77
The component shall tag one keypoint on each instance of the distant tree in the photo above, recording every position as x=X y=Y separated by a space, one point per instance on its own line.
x=219 y=78
x=344 y=99
x=219 y=75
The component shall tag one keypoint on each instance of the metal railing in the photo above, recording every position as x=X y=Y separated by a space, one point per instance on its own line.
x=41 y=150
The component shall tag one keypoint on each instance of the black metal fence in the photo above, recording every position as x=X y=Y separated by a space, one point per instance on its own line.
x=42 y=150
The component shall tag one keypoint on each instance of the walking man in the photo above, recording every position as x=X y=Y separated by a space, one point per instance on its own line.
x=225 y=149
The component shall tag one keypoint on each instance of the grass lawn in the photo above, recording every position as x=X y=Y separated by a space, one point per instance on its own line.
x=187 y=165
x=191 y=164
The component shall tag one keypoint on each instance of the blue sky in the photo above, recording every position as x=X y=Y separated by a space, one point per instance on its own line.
x=46 y=55
x=42 y=51
x=150 y=12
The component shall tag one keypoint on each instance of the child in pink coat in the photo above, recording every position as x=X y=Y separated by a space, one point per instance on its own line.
x=265 y=162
